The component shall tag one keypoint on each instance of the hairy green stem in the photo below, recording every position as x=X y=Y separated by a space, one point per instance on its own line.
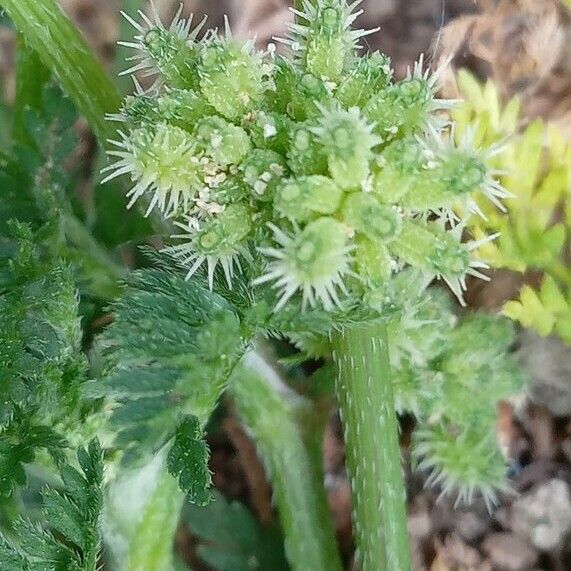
x=65 y=53
x=365 y=396
x=288 y=431
x=153 y=548
x=142 y=510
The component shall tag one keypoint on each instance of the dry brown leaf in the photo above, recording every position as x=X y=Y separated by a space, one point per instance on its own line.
x=524 y=45
x=260 y=489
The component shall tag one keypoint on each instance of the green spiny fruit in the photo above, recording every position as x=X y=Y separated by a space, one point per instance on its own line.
x=306 y=155
x=371 y=75
x=232 y=77
x=173 y=53
x=304 y=199
x=348 y=141
x=324 y=37
x=323 y=139
x=164 y=164
x=227 y=144
x=362 y=212
x=313 y=260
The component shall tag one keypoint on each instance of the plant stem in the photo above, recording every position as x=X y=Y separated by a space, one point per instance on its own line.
x=153 y=548
x=365 y=396
x=288 y=430
x=65 y=53
x=142 y=510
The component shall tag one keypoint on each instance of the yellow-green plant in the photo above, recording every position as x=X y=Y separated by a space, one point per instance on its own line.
x=534 y=227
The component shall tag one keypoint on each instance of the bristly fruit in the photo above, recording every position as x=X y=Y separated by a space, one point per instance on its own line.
x=256 y=155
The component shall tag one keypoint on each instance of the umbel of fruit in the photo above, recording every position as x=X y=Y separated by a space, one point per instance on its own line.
x=317 y=165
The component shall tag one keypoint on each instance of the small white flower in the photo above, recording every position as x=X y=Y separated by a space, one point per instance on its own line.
x=260 y=187
x=269 y=130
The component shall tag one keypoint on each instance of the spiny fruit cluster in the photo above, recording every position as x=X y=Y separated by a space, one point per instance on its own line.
x=438 y=359
x=319 y=163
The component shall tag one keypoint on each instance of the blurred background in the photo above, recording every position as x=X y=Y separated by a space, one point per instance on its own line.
x=524 y=47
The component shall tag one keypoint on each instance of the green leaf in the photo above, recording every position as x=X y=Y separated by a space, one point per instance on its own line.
x=31 y=77
x=69 y=538
x=40 y=341
x=534 y=230
x=11 y=560
x=170 y=351
x=188 y=461
x=232 y=539
x=546 y=311
x=33 y=189
x=20 y=439
x=41 y=363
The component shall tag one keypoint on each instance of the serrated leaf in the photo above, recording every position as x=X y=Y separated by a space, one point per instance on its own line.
x=11 y=560
x=188 y=461
x=552 y=297
x=64 y=516
x=69 y=539
x=122 y=383
x=41 y=363
x=171 y=349
x=19 y=441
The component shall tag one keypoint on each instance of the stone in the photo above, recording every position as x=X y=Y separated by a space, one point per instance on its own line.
x=548 y=361
x=509 y=552
x=455 y=554
x=419 y=524
x=566 y=449
x=543 y=515
x=379 y=9
x=471 y=526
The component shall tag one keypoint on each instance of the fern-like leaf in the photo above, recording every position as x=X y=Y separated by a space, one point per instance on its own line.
x=69 y=539
x=41 y=364
x=171 y=350
x=547 y=310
